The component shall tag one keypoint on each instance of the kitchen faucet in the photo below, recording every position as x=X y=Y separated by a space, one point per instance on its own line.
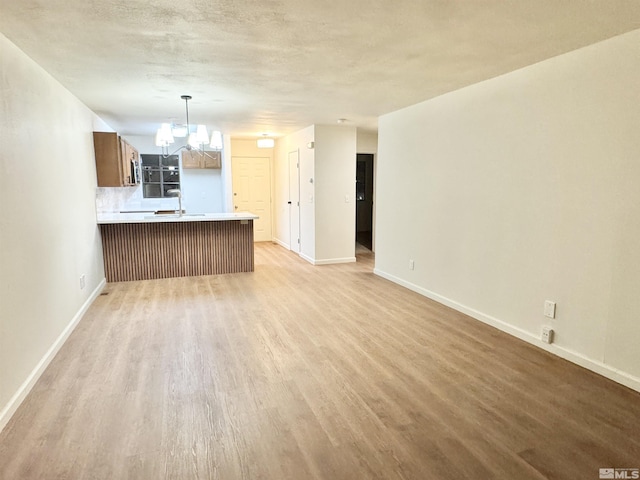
x=175 y=192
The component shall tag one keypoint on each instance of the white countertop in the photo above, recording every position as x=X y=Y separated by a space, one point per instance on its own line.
x=149 y=217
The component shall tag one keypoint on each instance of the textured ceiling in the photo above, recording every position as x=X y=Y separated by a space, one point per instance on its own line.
x=280 y=65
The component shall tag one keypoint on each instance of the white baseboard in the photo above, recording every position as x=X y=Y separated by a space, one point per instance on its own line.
x=579 y=359
x=10 y=408
x=331 y=261
x=327 y=261
x=307 y=258
x=281 y=243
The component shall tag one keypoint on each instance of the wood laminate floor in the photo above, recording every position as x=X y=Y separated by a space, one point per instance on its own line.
x=302 y=372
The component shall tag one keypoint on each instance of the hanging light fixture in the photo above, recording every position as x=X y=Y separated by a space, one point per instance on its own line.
x=216 y=140
x=265 y=142
x=164 y=137
x=195 y=140
x=179 y=130
x=199 y=138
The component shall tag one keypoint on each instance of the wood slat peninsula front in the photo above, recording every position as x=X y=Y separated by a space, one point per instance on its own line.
x=164 y=248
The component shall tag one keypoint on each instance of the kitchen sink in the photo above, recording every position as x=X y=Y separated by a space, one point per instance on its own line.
x=174 y=215
x=167 y=212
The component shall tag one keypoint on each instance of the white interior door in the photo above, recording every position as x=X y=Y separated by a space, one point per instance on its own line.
x=252 y=192
x=294 y=201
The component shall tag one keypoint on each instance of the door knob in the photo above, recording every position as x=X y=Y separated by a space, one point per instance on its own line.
x=236 y=207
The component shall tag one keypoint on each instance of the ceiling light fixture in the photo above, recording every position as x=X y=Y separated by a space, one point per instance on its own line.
x=195 y=140
x=266 y=142
x=164 y=137
x=216 y=140
x=179 y=130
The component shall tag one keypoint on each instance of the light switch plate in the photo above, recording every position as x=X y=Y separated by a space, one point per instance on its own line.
x=550 y=309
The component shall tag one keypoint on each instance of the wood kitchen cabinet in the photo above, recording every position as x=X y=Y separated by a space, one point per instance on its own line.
x=114 y=160
x=129 y=156
x=196 y=159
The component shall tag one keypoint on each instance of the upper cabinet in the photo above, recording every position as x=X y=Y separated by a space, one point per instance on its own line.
x=129 y=157
x=196 y=159
x=116 y=160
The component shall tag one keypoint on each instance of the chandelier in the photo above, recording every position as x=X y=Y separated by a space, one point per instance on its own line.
x=196 y=140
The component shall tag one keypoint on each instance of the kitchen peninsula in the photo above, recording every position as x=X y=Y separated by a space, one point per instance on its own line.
x=142 y=246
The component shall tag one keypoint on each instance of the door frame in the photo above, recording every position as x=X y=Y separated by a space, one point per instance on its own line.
x=294 y=241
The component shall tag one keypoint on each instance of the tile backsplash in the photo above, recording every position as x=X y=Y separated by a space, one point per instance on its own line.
x=118 y=199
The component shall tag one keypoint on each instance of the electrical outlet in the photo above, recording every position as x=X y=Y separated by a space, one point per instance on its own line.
x=83 y=281
x=549 y=309
x=547 y=334
x=412 y=264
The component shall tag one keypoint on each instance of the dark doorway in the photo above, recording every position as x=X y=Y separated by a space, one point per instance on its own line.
x=364 y=200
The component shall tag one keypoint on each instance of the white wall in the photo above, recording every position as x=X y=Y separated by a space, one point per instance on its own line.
x=335 y=191
x=48 y=231
x=366 y=142
x=203 y=190
x=525 y=188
